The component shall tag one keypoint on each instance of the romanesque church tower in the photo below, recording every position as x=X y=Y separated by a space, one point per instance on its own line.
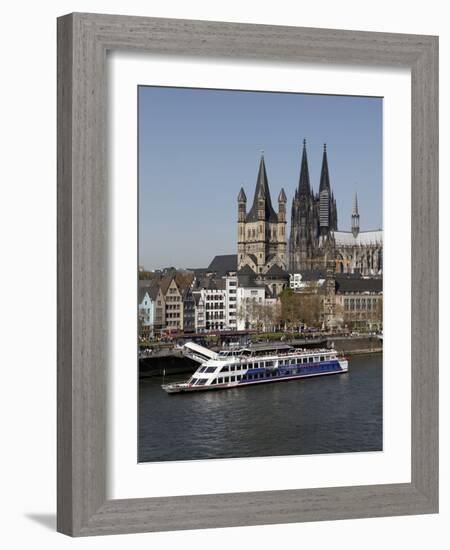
x=261 y=230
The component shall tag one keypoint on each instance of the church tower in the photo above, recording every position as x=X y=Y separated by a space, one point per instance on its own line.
x=313 y=219
x=324 y=196
x=242 y=209
x=303 y=220
x=281 y=252
x=261 y=231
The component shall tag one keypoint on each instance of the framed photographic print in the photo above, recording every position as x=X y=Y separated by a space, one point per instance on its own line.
x=247 y=274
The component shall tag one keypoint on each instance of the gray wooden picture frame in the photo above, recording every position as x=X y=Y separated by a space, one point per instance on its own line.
x=83 y=41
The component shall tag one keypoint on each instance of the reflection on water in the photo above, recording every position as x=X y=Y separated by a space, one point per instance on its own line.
x=327 y=414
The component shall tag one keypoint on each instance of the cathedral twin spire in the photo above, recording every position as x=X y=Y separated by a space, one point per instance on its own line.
x=314 y=215
x=304 y=187
x=324 y=175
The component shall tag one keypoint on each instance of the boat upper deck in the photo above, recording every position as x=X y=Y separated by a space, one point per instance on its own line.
x=264 y=351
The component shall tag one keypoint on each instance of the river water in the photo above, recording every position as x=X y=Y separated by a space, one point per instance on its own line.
x=326 y=414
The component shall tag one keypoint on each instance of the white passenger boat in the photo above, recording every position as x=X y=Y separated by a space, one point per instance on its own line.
x=258 y=364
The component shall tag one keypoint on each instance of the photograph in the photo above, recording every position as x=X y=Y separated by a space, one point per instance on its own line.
x=260 y=274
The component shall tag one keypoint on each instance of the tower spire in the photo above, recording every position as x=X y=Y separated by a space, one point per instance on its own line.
x=303 y=183
x=324 y=174
x=324 y=195
x=262 y=192
x=355 y=216
x=355 y=205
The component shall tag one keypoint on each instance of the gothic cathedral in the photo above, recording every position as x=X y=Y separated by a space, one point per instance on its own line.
x=314 y=236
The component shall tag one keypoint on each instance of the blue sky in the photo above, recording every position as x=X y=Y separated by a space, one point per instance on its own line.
x=198 y=147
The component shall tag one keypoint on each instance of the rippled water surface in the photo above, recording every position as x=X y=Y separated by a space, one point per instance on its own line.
x=327 y=414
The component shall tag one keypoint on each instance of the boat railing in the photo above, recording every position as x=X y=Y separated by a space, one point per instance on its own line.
x=252 y=358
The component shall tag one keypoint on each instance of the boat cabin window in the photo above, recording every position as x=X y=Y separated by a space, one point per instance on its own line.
x=232 y=378
x=214 y=381
x=220 y=380
x=193 y=381
x=225 y=369
x=269 y=363
x=201 y=381
x=202 y=369
x=322 y=358
x=211 y=369
x=293 y=361
x=310 y=359
x=226 y=379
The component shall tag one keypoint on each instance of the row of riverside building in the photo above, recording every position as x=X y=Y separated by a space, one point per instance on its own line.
x=217 y=299
x=196 y=300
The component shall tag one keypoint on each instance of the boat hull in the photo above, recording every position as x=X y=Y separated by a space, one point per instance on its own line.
x=172 y=389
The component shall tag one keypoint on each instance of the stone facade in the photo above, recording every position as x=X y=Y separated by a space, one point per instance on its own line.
x=173 y=298
x=261 y=230
x=262 y=246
